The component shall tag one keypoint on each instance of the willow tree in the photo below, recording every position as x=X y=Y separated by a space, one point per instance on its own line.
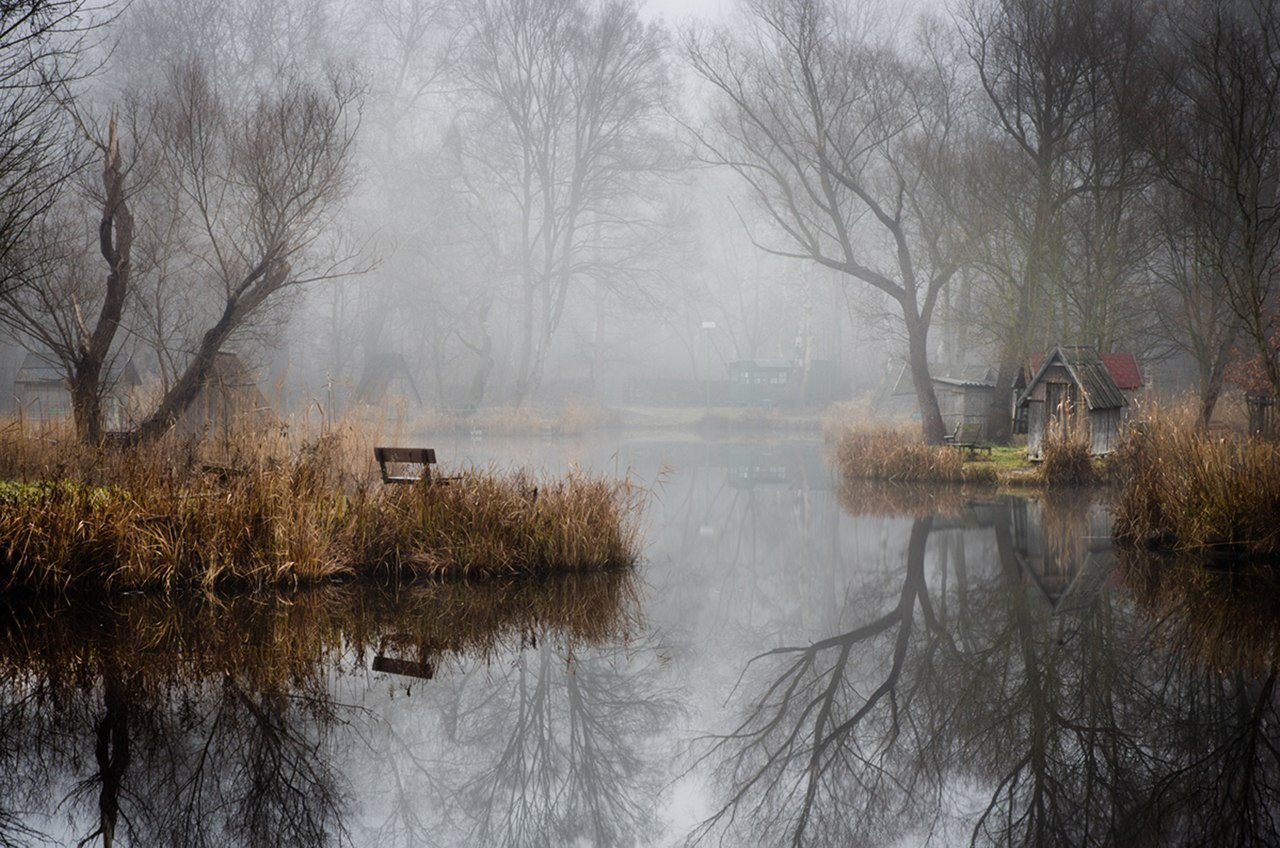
x=846 y=141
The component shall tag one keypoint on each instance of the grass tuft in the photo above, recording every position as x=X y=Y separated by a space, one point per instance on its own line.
x=1068 y=462
x=1184 y=489
x=280 y=511
x=894 y=456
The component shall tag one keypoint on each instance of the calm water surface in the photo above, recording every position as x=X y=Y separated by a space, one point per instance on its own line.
x=791 y=665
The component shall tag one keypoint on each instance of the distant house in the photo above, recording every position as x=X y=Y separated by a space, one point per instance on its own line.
x=965 y=393
x=1073 y=392
x=386 y=376
x=40 y=390
x=761 y=381
x=229 y=397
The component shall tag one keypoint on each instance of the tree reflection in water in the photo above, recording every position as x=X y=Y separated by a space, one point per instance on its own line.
x=1022 y=703
x=212 y=724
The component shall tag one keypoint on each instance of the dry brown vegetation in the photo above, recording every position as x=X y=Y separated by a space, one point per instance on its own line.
x=281 y=510
x=1068 y=462
x=275 y=639
x=1185 y=489
x=863 y=453
x=1197 y=609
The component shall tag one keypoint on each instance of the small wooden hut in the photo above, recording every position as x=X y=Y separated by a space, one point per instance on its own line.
x=387 y=377
x=964 y=392
x=761 y=381
x=1073 y=394
x=40 y=391
x=229 y=398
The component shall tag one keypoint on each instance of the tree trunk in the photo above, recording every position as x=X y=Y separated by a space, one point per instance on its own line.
x=86 y=402
x=115 y=242
x=930 y=416
x=1211 y=382
x=526 y=347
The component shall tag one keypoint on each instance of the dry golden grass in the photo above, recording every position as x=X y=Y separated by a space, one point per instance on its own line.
x=1184 y=489
x=280 y=509
x=896 y=456
x=1068 y=462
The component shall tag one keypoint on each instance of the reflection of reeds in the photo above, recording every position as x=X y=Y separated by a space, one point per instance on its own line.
x=1183 y=489
x=1219 y=618
x=893 y=455
x=273 y=641
x=1066 y=525
x=872 y=497
x=264 y=510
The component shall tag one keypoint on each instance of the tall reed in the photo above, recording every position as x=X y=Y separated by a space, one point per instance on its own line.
x=1183 y=489
x=261 y=510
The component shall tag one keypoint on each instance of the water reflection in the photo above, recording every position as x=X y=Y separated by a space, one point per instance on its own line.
x=202 y=724
x=1019 y=704
x=928 y=669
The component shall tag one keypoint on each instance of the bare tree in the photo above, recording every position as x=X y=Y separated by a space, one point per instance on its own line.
x=1223 y=64
x=52 y=300
x=842 y=141
x=40 y=45
x=1063 y=83
x=570 y=92
x=257 y=187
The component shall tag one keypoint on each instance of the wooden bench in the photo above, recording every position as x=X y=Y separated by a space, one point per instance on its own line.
x=969 y=439
x=409 y=464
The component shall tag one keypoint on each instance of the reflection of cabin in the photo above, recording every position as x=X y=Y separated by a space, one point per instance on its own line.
x=40 y=390
x=386 y=376
x=761 y=381
x=1059 y=545
x=1073 y=394
x=230 y=395
x=964 y=393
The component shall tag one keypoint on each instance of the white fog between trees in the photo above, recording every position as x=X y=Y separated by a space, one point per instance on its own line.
x=534 y=201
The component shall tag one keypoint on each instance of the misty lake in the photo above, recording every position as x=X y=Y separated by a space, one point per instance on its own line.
x=790 y=665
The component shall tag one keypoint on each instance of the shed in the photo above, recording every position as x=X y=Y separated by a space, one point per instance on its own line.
x=40 y=389
x=761 y=381
x=230 y=396
x=386 y=375
x=1072 y=393
x=964 y=392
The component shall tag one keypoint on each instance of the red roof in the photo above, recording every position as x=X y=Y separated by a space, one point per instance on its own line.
x=1124 y=369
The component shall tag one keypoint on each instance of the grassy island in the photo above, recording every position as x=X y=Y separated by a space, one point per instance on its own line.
x=259 y=512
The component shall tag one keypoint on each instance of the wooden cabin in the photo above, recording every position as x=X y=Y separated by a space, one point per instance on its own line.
x=964 y=393
x=761 y=381
x=41 y=394
x=1072 y=393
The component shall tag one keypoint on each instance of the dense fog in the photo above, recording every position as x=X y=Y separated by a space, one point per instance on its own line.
x=533 y=203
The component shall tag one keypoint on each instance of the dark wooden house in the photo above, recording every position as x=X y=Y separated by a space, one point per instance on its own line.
x=1072 y=393
x=761 y=381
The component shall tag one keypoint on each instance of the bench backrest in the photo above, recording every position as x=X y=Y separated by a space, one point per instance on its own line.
x=970 y=434
x=424 y=457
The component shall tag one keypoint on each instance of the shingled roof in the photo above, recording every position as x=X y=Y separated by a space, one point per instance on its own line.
x=1123 y=368
x=1090 y=373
